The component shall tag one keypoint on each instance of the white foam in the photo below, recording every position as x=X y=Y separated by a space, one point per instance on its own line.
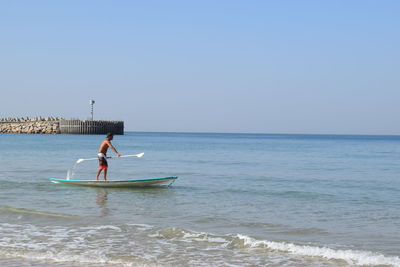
x=93 y=229
x=350 y=256
x=188 y=236
x=141 y=226
x=96 y=258
x=88 y=245
x=62 y=244
x=203 y=237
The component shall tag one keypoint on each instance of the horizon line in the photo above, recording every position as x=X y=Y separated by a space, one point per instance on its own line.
x=188 y=132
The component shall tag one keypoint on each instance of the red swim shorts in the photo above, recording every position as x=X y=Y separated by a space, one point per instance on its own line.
x=102 y=161
x=104 y=167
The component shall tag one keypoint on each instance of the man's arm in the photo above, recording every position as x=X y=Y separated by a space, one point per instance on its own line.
x=113 y=148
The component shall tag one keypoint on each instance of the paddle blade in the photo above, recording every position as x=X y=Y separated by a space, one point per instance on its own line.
x=80 y=160
x=140 y=155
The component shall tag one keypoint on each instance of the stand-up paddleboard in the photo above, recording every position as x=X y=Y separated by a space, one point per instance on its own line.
x=121 y=183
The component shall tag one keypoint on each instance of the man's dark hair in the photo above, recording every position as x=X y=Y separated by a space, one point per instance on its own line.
x=110 y=135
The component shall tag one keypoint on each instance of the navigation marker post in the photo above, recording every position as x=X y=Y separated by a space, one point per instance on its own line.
x=91 y=104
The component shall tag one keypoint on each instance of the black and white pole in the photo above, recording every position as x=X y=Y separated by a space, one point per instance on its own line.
x=91 y=104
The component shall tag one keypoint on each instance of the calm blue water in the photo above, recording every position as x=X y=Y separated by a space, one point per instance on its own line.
x=240 y=200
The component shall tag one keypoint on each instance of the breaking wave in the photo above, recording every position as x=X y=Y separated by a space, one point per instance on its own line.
x=351 y=257
x=145 y=245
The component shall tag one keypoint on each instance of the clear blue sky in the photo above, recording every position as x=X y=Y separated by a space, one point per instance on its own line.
x=206 y=66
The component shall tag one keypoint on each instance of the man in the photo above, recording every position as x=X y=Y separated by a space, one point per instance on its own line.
x=102 y=155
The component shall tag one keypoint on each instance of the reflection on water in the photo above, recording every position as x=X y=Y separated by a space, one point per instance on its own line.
x=101 y=201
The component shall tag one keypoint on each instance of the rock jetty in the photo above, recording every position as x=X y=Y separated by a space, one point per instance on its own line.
x=38 y=125
x=55 y=125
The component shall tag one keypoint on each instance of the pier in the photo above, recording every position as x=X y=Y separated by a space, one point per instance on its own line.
x=53 y=125
x=91 y=127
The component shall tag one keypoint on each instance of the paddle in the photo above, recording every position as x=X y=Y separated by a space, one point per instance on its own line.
x=124 y=156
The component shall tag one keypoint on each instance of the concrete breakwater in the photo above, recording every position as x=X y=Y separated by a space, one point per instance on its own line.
x=39 y=125
x=55 y=125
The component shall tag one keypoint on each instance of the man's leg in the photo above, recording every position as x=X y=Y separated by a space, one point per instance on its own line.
x=98 y=173
x=105 y=174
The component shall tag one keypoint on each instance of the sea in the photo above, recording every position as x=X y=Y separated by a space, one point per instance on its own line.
x=239 y=200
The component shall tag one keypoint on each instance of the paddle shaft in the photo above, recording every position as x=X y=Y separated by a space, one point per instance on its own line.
x=124 y=156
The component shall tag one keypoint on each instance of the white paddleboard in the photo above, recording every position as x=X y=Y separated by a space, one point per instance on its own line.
x=118 y=183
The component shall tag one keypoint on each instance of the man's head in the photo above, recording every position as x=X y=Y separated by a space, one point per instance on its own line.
x=110 y=136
